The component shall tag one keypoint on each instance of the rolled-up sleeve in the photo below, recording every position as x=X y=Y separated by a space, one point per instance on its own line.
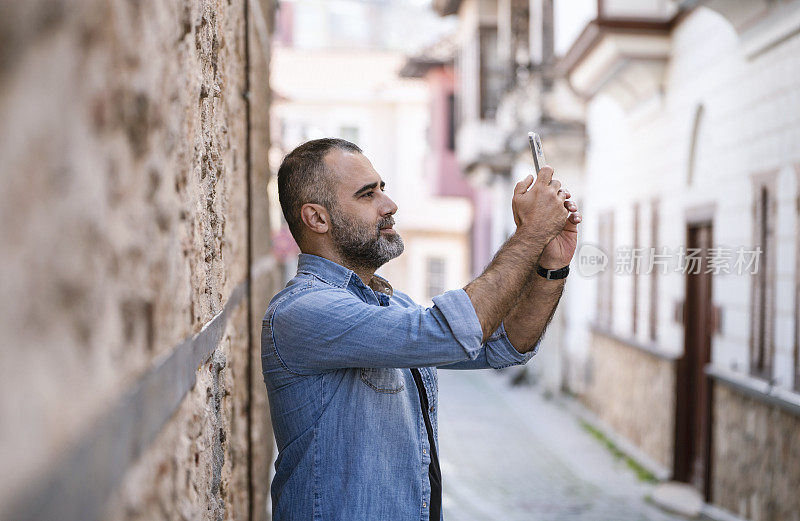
x=498 y=352
x=502 y=353
x=457 y=308
x=314 y=331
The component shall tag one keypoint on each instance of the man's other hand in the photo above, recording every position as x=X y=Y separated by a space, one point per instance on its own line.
x=559 y=251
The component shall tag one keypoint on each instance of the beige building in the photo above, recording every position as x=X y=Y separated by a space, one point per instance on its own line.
x=355 y=93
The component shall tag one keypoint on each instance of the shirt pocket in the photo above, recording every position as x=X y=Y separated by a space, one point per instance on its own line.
x=383 y=380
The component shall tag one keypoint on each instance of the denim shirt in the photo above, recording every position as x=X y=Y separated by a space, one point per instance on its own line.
x=335 y=353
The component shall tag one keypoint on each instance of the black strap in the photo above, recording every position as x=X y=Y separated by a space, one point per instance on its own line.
x=560 y=273
x=434 y=473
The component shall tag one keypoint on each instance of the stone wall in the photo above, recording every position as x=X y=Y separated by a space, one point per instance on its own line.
x=755 y=450
x=132 y=169
x=633 y=392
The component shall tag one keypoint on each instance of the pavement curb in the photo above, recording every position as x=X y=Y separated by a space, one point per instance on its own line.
x=715 y=513
x=708 y=511
x=576 y=408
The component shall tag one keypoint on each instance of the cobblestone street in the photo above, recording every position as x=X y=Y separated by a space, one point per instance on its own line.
x=508 y=453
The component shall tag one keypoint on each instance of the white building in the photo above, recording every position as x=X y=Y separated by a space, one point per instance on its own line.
x=508 y=85
x=692 y=112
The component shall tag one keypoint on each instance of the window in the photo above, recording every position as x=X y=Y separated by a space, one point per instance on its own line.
x=797 y=288
x=654 y=214
x=762 y=323
x=349 y=133
x=434 y=276
x=465 y=77
x=693 y=151
x=636 y=268
x=490 y=72
x=451 y=121
x=605 y=282
x=520 y=19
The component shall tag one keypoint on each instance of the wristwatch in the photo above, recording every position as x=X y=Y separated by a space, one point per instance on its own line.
x=560 y=273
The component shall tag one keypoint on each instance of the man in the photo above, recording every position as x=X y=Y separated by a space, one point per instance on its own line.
x=350 y=364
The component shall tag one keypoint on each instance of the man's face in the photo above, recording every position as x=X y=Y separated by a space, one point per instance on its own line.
x=361 y=220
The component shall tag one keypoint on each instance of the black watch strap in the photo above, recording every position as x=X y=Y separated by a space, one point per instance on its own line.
x=560 y=273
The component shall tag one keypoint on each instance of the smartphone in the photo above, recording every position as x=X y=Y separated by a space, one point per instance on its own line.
x=537 y=151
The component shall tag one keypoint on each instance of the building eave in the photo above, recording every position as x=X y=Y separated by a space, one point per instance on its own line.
x=596 y=29
x=440 y=53
x=499 y=163
x=419 y=67
x=547 y=129
x=615 y=54
x=760 y=24
x=446 y=7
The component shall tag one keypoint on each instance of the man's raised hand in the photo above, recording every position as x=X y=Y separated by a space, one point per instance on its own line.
x=540 y=206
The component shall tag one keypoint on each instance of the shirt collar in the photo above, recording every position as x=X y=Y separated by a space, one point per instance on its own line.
x=336 y=274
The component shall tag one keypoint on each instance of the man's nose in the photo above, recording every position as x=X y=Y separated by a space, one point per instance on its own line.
x=389 y=206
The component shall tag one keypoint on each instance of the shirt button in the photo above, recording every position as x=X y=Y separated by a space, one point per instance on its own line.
x=431 y=408
x=424 y=505
x=424 y=451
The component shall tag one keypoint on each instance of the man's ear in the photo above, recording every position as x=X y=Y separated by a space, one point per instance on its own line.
x=315 y=217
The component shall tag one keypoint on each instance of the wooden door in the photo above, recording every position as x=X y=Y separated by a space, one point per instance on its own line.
x=693 y=405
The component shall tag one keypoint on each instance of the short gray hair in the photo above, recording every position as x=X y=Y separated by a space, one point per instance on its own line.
x=304 y=178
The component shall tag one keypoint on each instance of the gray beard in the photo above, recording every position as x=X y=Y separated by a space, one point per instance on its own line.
x=363 y=246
